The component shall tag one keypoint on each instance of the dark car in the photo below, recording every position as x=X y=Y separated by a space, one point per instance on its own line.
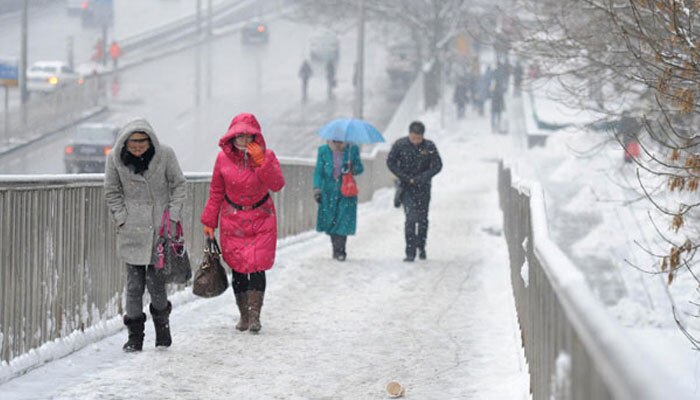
x=91 y=144
x=254 y=32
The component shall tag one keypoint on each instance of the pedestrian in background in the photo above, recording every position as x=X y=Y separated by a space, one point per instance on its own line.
x=498 y=105
x=245 y=173
x=305 y=73
x=415 y=161
x=115 y=53
x=330 y=77
x=98 y=53
x=337 y=214
x=143 y=179
x=628 y=129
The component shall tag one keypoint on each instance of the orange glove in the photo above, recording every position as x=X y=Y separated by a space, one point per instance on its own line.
x=256 y=153
x=209 y=232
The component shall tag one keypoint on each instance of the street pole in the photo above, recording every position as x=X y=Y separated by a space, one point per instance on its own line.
x=441 y=65
x=360 y=66
x=23 y=65
x=104 y=44
x=199 y=18
x=7 y=113
x=209 y=18
x=69 y=51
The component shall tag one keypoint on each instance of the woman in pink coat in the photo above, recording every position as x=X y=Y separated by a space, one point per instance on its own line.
x=244 y=174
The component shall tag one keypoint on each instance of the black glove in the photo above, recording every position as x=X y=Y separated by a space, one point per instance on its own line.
x=317 y=195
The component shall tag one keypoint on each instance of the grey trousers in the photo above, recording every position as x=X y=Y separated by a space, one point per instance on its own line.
x=138 y=277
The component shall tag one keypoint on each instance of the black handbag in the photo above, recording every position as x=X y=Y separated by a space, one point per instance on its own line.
x=173 y=260
x=210 y=280
x=398 y=193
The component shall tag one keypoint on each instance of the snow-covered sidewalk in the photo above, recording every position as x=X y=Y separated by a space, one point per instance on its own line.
x=445 y=328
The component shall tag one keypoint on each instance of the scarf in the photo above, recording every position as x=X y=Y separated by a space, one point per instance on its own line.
x=135 y=164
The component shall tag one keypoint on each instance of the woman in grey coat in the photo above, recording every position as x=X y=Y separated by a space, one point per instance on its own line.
x=142 y=180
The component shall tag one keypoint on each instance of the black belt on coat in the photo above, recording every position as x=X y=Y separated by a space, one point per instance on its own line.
x=244 y=208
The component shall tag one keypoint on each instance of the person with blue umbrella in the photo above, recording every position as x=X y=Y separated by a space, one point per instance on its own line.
x=337 y=214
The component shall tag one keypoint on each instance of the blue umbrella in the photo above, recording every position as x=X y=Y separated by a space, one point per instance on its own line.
x=350 y=130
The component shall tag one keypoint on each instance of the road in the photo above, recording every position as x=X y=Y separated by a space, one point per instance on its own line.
x=50 y=27
x=190 y=97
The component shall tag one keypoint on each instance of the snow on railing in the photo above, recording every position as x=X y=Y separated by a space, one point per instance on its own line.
x=574 y=348
x=60 y=278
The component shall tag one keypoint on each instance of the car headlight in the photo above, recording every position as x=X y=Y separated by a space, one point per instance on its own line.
x=53 y=80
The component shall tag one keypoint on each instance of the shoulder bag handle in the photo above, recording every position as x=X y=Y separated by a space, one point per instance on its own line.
x=212 y=246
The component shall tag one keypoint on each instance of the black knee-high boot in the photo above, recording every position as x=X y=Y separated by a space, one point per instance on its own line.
x=135 y=327
x=161 y=321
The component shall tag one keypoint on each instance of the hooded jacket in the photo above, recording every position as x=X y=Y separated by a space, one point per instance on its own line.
x=248 y=237
x=137 y=201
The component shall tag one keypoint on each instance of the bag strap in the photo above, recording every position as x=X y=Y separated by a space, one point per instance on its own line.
x=213 y=246
x=179 y=232
x=165 y=222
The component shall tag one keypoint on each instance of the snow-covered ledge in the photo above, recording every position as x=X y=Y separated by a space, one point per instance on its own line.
x=559 y=314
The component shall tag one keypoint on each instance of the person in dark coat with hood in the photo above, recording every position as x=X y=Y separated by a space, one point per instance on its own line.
x=245 y=173
x=415 y=161
x=337 y=214
x=142 y=180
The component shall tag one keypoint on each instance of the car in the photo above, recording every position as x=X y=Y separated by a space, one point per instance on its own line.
x=324 y=47
x=254 y=32
x=89 y=147
x=76 y=6
x=46 y=76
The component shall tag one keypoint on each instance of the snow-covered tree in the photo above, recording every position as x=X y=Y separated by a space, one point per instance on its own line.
x=639 y=57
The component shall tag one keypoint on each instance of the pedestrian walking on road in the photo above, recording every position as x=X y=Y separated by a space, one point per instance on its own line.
x=245 y=173
x=330 y=77
x=142 y=180
x=98 y=53
x=337 y=214
x=305 y=73
x=498 y=105
x=115 y=53
x=415 y=161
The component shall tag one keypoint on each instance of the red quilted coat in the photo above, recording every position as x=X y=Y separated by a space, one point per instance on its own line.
x=249 y=236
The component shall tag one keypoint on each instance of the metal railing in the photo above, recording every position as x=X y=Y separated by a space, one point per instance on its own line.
x=59 y=271
x=55 y=110
x=71 y=103
x=58 y=266
x=574 y=349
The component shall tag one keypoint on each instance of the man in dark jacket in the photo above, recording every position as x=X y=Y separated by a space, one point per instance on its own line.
x=415 y=160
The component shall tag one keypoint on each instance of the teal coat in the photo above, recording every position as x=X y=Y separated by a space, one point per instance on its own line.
x=337 y=215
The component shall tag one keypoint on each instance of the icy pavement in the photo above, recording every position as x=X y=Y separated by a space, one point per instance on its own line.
x=445 y=328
